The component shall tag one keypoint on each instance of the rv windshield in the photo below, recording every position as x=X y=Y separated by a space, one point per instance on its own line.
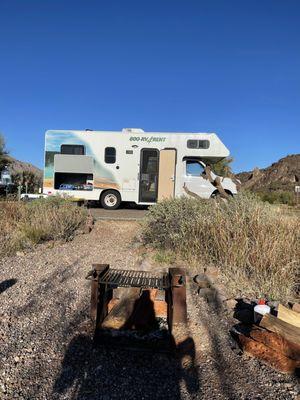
x=194 y=168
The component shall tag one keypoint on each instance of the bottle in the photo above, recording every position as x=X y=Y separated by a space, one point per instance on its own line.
x=260 y=309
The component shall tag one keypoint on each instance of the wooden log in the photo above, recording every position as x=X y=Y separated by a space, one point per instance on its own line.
x=276 y=342
x=134 y=310
x=271 y=357
x=122 y=311
x=289 y=316
x=143 y=316
x=289 y=332
x=160 y=307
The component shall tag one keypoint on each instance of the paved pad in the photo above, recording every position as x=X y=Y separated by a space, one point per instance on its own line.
x=121 y=214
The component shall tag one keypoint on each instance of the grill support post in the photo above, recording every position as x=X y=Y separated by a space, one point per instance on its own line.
x=177 y=312
x=99 y=295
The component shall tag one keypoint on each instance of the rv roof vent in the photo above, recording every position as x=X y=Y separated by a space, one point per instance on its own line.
x=133 y=130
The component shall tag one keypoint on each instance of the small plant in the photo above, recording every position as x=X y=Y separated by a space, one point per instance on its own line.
x=256 y=248
x=164 y=257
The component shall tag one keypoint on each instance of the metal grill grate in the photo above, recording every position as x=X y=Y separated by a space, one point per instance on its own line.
x=125 y=278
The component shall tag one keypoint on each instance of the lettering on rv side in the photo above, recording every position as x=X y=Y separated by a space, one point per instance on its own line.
x=147 y=139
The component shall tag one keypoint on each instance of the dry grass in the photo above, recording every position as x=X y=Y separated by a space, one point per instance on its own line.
x=256 y=248
x=24 y=224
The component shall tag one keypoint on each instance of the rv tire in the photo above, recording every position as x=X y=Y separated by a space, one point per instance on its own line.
x=110 y=199
x=217 y=195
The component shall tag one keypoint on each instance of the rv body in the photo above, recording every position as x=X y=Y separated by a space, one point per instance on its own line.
x=131 y=165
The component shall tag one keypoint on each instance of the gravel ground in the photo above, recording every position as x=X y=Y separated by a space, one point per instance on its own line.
x=46 y=349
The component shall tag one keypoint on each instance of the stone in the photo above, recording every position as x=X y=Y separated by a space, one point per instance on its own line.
x=296 y=307
x=87 y=229
x=212 y=272
x=208 y=294
x=230 y=304
x=202 y=281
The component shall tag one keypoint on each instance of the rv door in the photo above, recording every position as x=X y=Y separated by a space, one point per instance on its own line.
x=166 y=177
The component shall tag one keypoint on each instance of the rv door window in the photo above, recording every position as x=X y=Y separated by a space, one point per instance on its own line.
x=74 y=149
x=194 y=168
x=110 y=155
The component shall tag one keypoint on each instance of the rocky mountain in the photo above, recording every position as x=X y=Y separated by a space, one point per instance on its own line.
x=16 y=166
x=22 y=174
x=281 y=175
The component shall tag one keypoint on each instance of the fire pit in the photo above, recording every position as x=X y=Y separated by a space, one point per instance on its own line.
x=139 y=309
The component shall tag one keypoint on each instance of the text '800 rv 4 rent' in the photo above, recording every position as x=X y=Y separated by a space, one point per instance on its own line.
x=131 y=165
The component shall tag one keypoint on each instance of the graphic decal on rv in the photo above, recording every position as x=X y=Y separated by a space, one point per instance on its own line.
x=103 y=178
x=147 y=139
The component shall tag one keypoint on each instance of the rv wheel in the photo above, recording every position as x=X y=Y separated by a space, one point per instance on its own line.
x=110 y=200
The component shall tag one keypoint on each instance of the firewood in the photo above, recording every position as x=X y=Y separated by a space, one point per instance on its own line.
x=289 y=332
x=271 y=357
x=122 y=311
x=276 y=342
x=289 y=316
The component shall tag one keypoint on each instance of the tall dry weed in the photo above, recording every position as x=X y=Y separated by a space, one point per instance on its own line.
x=25 y=224
x=256 y=248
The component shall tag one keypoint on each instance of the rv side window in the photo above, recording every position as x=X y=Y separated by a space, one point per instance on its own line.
x=110 y=155
x=203 y=144
x=197 y=144
x=75 y=149
x=192 y=144
x=194 y=168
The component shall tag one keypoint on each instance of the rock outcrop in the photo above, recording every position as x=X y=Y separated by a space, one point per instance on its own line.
x=281 y=175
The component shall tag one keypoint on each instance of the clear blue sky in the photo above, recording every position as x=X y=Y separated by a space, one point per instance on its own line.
x=232 y=67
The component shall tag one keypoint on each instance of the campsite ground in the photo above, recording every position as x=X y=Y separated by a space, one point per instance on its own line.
x=46 y=348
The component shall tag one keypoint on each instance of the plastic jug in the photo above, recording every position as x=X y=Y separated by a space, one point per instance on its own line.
x=260 y=309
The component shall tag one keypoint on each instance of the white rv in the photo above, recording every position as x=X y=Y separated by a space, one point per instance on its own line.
x=131 y=165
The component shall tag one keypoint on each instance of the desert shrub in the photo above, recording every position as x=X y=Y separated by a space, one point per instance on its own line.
x=255 y=247
x=25 y=224
x=278 y=197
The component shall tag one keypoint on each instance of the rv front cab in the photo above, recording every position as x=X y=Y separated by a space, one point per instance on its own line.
x=199 y=179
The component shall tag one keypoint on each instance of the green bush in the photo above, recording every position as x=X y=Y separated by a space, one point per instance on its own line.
x=278 y=197
x=255 y=247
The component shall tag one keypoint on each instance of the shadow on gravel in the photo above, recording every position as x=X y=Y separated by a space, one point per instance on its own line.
x=120 y=368
x=222 y=366
x=109 y=373
x=51 y=285
x=7 y=284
